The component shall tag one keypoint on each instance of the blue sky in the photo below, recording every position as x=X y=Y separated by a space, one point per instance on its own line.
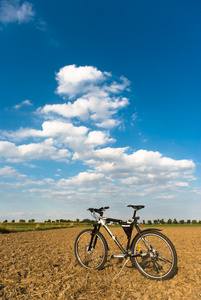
x=100 y=105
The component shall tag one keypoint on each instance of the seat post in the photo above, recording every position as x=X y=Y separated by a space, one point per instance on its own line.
x=134 y=213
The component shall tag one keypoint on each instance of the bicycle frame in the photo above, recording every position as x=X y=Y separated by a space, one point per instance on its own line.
x=128 y=228
x=102 y=221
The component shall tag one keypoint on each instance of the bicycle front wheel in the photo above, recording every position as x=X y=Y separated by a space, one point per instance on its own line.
x=157 y=255
x=94 y=257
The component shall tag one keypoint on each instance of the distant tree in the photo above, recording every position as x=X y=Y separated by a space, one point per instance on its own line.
x=32 y=221
x=194 y=221
x=5 y=221
x=162 y=221
x=62 y=221
x=175 y=221
x=57 y=221
x=77 y=220
x=188 y=221
x=22 y=221
x=143 y=222
x=181 y=222
x=155 y=221
x=169 y=221
x=149 y=222
x=49 y=221
x=86 y=221
x=13 y=221
x=199 y=222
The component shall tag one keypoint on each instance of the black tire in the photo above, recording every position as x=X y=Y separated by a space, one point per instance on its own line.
x=158 y=258
x=97 y=256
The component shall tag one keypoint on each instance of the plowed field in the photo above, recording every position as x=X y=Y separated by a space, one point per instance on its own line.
x=41 y=265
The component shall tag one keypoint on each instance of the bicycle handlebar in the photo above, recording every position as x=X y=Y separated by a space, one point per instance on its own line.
x=98 y=210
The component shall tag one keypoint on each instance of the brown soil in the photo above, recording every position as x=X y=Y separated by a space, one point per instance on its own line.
x=41 y=265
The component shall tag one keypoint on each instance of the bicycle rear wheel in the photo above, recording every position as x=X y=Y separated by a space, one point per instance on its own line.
x=95 y=257
x=158 y=257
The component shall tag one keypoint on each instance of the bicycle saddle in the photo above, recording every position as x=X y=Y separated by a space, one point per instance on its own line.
x=137 y=207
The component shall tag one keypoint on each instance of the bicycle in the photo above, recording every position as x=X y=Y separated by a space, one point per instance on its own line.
x=150 y=251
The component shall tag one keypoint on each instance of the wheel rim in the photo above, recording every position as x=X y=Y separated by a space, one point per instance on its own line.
x=90 y=259
x=158 y=260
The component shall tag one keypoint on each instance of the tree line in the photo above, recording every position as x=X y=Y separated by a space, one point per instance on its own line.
x=53 y=221
x=149 y=222
x=170 y=221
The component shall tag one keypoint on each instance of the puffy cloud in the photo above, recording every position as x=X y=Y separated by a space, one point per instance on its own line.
x=44 y=150
x=11 y=12
x=97 y=138
x=57 y=136
x=86 y=179
x=99 y=156
x=73 y=80
x=141 y=168
x=94 y=108
x=55 y=128
x=100 y=110
x=140 y=161
x=109 y=123
x=99 y=97
x=79 y=109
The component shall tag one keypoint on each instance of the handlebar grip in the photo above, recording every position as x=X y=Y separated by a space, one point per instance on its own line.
x=90 y=209
x=103 y=208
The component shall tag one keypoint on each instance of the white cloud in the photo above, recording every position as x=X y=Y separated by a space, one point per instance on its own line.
x=86 y=179
x=182 y=184
x=166 y=197
x=96 y=157
x=79 y=109
x=141 y=168
x=115 y=87
x=55 y=128
x=23 y=103
x=97 y=138
x=57 y=136
x=99 y=97
x=73 y=80
x=39 y=151
x=96 y=108
x=109 y=123
x=9 y=172
x=11 y=12
x=29 y=182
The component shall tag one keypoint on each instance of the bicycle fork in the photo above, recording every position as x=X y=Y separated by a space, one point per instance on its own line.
x=94 y=237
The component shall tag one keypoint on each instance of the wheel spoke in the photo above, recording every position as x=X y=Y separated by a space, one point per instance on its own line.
x=164 y=260
x=156 y=267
